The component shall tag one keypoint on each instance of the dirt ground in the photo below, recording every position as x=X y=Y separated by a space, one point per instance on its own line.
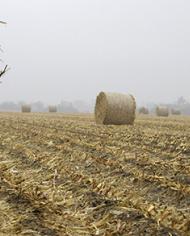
x=65 y=175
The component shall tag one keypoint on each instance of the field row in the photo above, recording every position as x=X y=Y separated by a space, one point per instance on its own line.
x=84 y=179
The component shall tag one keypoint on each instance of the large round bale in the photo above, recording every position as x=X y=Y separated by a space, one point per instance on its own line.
x=143 y=110
x=175 y=112
x=162 y=111
x=26 y=108
x=52 y=109
x=115 y=109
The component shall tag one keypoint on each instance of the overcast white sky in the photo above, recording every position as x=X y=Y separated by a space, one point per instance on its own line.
x=72 y=49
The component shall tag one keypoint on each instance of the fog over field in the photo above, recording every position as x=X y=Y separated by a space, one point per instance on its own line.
x=71 y=49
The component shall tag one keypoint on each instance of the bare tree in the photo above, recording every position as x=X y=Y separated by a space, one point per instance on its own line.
x=2 y=72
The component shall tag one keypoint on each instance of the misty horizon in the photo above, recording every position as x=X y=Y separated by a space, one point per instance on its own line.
x=80 y=106
x=88 y=102
x=71 y=50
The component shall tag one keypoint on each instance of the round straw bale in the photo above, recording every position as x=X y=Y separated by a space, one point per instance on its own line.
x=143 y=110
x=162 y=111
x=115 y=108
x=26 y=108
x=175 y=112
x=52 y=109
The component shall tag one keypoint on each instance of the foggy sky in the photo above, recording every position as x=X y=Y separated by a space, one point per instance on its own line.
x=72 y=49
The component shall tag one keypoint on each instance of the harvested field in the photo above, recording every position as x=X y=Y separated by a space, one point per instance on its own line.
x=65 y=175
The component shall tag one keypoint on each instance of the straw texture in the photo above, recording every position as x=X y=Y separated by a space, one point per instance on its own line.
x=143 y=110
x=52 y=109
x=115 y=108
x=26 y=108
x=162 y=111
x=175 y=112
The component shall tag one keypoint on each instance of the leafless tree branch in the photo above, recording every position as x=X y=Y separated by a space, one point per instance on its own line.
x=3 y=71
x=5 y=68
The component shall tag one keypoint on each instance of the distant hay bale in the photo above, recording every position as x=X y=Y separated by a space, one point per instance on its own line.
x=143 y=110
x=26 y=108
x=175 y=112
x=52 y=109
x=162 y=111
x=115 y=108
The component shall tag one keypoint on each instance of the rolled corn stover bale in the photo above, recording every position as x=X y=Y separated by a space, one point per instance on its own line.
x=175 y=112
x=115 y=108
x=26 y=108
x=143 y=110
x=162 y=111
x=52 y=109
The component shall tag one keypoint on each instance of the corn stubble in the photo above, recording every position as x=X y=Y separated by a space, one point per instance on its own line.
x=71 y=177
